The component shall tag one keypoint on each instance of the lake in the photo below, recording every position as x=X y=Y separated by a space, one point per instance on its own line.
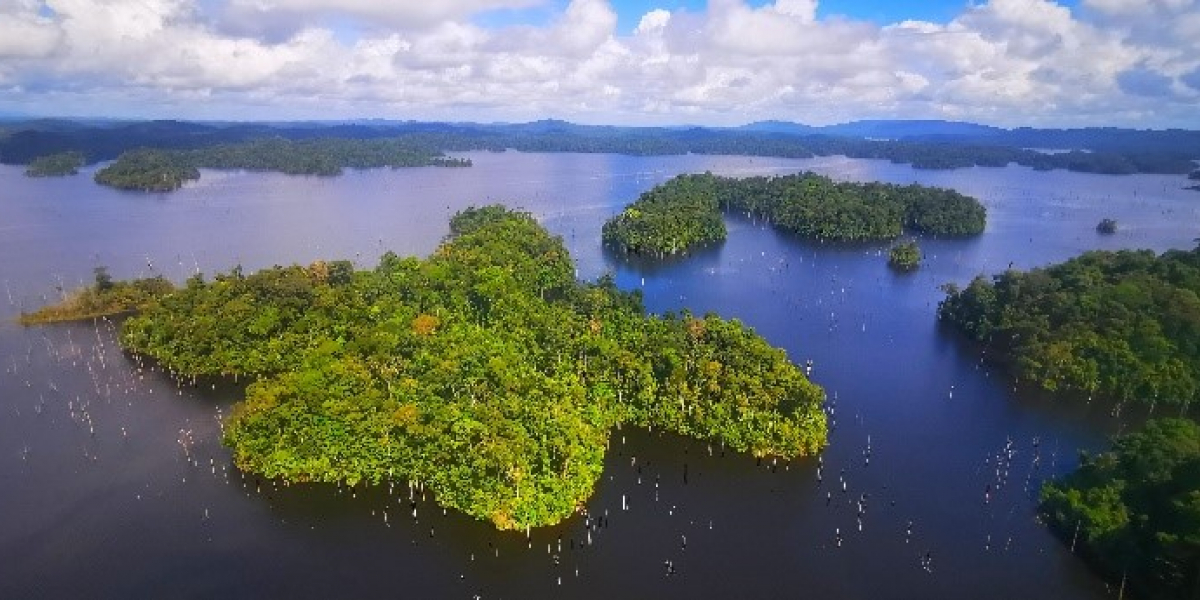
x=114 y=484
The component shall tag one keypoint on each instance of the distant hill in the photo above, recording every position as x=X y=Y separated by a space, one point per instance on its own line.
x=926 y=144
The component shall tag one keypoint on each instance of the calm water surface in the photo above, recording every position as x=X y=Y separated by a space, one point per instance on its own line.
x=99 y=498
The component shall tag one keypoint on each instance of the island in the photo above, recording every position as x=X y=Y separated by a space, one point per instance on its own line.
x=1107 y=226
x=905 y=256
x=148 y=170
x=56 y=165
x=1133 y=513
x=163 y=170
x=485 y=373
x=686 y=211
x=1124 y=325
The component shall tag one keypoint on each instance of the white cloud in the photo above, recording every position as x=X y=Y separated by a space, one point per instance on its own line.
x=1009 y=62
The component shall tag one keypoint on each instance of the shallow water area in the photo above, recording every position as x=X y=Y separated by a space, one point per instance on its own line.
x=114 y=484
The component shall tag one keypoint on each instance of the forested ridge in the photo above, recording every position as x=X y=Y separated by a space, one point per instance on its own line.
x=1134 y=512
x=485 y=372
x=924 y=145
x=1123 y=325
x=686 y=211
x=166 y=170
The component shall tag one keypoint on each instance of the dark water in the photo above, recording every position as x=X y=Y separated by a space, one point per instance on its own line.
x=100 y=499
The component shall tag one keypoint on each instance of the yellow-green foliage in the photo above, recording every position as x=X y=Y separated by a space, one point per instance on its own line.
x=485 y=372
x=106 y=298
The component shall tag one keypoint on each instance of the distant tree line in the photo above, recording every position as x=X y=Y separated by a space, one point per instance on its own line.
x=167 y=170
x=1094 y=150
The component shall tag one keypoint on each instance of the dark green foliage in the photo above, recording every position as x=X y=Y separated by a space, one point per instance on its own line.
x=687 y=210
x=1107 y=226
x=1125 y=325
x=905 y=256
x=1134 y=512
x=323 y=156
x=485 y=372
x=148 y=170
x=165 y=170
x=1113 y=151
x=55 y=165
x=674 y=217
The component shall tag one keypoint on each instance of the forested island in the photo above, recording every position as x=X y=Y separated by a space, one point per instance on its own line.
x=1123 y=325
x=166 y=170
x=55 y=165
x=905 y=256
x=686 y=211
x=1107 y=226
x=485 y=372
x=1134 y=512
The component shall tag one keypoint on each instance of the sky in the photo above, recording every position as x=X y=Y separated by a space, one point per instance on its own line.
x=1040 y=63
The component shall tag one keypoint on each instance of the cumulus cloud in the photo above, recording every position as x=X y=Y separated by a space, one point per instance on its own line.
x=1009 y=62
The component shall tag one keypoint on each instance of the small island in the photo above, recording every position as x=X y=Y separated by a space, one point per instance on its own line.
x=148 y=170
x=905 y=256
x=159 y=170
x=485 y=373
x=55 y=165
x=1134 y=513
x=687 y=211
x=1124 y=325
x=1107 y=226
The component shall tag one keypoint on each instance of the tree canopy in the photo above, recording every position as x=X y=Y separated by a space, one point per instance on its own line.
x=55 y=165
x=686 y=211
x=905 y=256
x=166 y=170
x=1125 y=325
x=485 y=372
x=1135 y=511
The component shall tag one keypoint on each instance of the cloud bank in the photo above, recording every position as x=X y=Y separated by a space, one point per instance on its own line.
x=1006 y=62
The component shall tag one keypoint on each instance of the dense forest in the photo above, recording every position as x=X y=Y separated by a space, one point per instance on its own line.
x=1124 y=325
x=1134 y=512
x=166 y=170
x=926 y=145
x=148 y=170
x=905 y=256
x=686 y=211
x=56 y=165
x=485 y=372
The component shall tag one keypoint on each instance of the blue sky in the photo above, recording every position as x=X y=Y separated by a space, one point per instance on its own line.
x=883 y=12
x=1133 y=63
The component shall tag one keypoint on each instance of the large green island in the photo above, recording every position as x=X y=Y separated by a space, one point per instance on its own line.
x=165 y=170
x=485 y=372
x=686 y=211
